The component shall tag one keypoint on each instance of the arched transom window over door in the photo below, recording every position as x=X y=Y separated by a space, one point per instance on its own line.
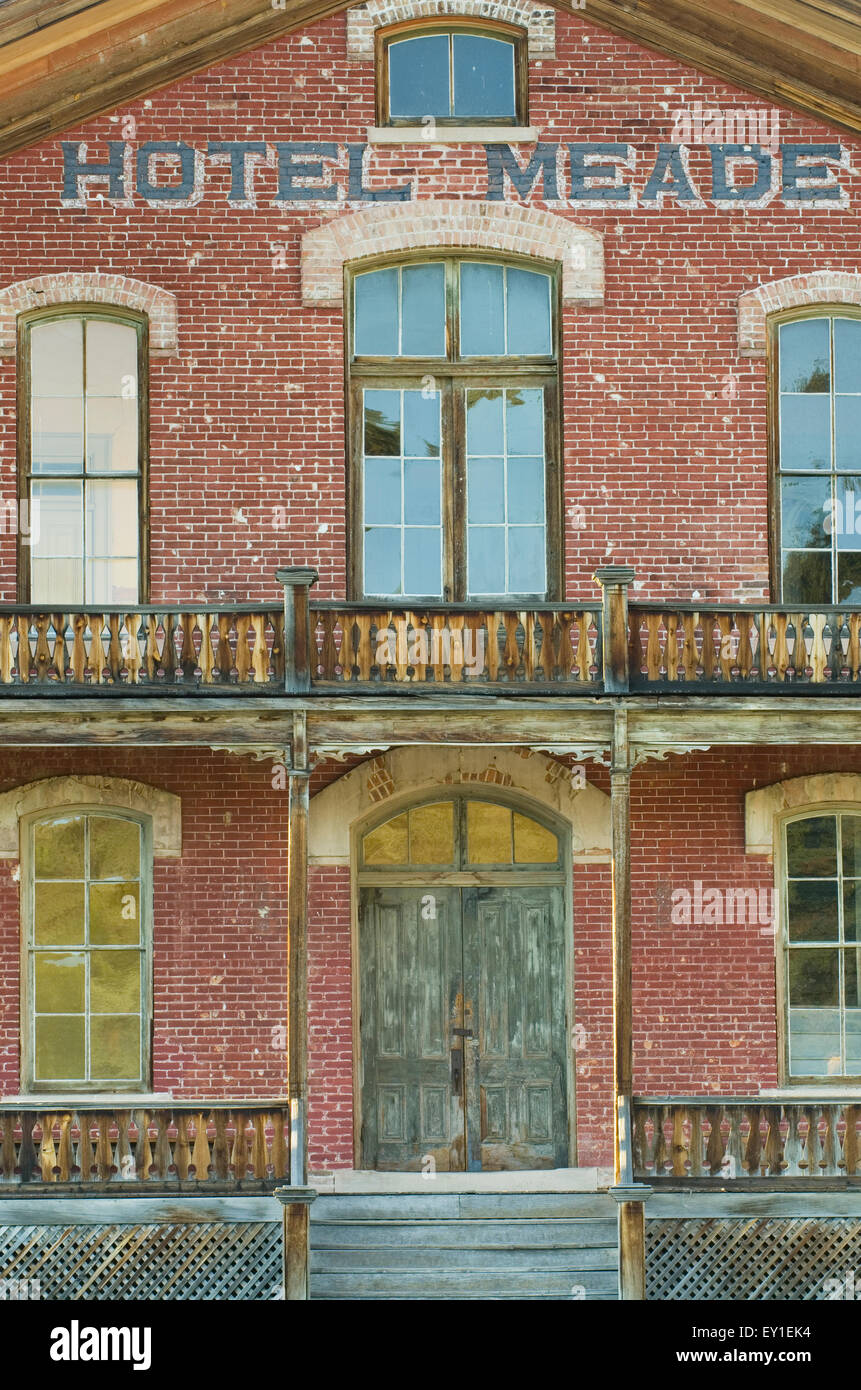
x=454 y=430
x=463 y=990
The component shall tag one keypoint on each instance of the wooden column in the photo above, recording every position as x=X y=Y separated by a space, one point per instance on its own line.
x=298 y=644
x=629 y=1194
x=615 y=581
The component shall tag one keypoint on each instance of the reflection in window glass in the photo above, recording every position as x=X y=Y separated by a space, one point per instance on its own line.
x=84 y=462
x=400 y=312
x=451 y=76
x=823 y=939
x=402 y=493
x=820 y=459
x=86 y=951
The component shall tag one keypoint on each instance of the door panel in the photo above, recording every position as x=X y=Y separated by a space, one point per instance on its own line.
x=514 y=964
x=411 y=998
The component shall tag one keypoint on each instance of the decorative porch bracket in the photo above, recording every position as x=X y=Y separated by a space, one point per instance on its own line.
x=297 y=581
x=615 y=581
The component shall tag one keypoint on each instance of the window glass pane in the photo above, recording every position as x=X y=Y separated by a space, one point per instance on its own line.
x=807 y=576
x=851 y=978
x=853 y=1040
x=849 y=578
x=484 y=422
x=805 y=508
x=421 y=492
x=423 y=308
x=60 y=1049
x=805 y=432
x=382 y=430
x=533 y=842
x=813 y=977
x=850 y=831
x=56 y=358
x=112 y=435
x=488 y=833
x=432 y=834
x=115 y=914
x=61 y=520
x=383 y=560
x=486 y=490
x=483 y=76
x=847 y=354
x=57 y=427
x=482 y=312
x=528 y=313
x=112 y=519
x=846 y=526
x=376 y=300
x=814 y=1042
x=115 y=984
x=524 y=421
x=388 y=843
x=526 y=491
x=422 y=424
x=847 y=432
x=419 y=77
x=526 y=560
x=112 y=583
x=115 y=1047
x=805 y=355
x=114 y=848
x=383 y=491
x=112 y=359
x=812 y=910
x=423 y=561
x=811 y=846
x=59 y=914
x=60 y=982
x=486 y=559
x=59 y=847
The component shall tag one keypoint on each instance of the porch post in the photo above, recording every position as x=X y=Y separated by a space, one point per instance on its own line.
x=297 y=1197
x=297 y=581
x=629 y=1194
x=615 y=581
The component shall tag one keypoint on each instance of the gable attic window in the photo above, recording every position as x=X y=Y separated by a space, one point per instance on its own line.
x=454 y=74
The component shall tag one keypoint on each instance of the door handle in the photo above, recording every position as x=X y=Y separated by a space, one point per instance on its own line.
x=457 y=1071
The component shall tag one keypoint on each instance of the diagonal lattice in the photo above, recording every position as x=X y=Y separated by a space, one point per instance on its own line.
x=741 y=1259
x=200 y=1260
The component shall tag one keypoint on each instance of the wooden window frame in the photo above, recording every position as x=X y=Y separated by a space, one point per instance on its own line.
x=781 y=939
x=772 y=354
x=27 y=1001
x=452 y=24
x=450 y=371
x=104 y=313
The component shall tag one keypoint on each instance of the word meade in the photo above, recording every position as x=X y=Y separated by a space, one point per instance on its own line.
x=595 y=175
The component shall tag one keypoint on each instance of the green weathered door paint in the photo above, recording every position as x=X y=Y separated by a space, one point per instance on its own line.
x=463 y=1028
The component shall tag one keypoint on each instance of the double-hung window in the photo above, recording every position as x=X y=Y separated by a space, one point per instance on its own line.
x=454 y=73
x=454 y=430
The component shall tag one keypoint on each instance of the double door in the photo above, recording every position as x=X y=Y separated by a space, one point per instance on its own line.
x=463 y=1028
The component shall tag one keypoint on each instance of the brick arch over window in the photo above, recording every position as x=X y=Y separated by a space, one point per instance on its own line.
x=404 y=775
x=113 y=793
x=795 y=292
x=77 y=287
x=539 y=21
x=814 y=792
x=446 y=224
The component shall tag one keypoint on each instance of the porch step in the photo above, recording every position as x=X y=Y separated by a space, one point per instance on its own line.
x=556 y=1246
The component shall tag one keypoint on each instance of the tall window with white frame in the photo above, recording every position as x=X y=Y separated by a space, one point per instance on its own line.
x=454 y=430
x=818 y=412
x=87 y=919
x=822 y=945
x=82 y=453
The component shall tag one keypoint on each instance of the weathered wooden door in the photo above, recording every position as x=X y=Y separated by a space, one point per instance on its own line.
x=463 y=1028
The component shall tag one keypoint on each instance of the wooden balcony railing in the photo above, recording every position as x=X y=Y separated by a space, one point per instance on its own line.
x=219 y=1147
x=742 y=649
x=737 y=1139
x=544 y=645
x=147 y=649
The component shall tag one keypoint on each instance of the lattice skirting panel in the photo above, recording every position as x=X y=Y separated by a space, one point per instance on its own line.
x=200 y=1260
x=738 y=1258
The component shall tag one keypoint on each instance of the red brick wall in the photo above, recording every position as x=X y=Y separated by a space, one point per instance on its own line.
x=219 y=929
x=248 y=416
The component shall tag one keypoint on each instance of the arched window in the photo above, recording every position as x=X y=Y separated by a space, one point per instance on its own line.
x=461 y=834
x=454 y=429
x=822 y=944
x=818 y=436
x=82 y=455
x=87 y=917
x=456 y=73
